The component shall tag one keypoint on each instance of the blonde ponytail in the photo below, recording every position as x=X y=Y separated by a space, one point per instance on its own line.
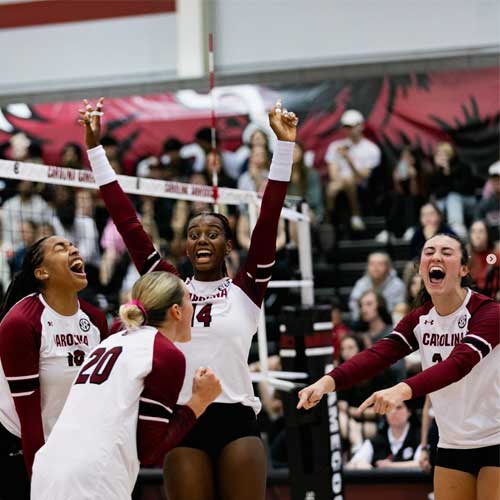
x=152 y=295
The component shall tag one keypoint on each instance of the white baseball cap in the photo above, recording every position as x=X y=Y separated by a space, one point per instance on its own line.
x=351 y=118
x=494 y=169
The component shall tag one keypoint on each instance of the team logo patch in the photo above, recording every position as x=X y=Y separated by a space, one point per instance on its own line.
x=462 y=321
x=84 y=325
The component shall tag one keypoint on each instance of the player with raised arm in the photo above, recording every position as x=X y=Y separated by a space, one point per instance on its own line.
x=457 y=331
x=45 y=334
x=224 y=451
x=121 y=409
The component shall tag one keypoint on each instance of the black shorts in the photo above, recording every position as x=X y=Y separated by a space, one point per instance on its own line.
x=14 y=480
x=469 y=460
x=220 y=424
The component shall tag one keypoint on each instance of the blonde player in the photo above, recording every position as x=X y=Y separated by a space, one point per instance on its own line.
x=457 y=332
x=224 y=451
x=122 y=409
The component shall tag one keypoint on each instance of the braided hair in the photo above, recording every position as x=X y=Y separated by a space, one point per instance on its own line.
x=466 y=281
x=228 y=233
x=24 y=281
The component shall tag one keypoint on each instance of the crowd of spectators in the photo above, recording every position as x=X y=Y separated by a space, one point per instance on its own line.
x=423 y=196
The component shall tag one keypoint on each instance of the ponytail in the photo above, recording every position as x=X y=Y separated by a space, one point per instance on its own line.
x=24 y=282
x=152 y=295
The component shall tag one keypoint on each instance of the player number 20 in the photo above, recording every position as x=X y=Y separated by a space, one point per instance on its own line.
x=98 y=368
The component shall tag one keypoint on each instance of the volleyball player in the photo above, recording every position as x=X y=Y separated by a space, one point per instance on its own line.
x=120 y=409
x=223 y=451
x=457 y=331
x=45 y=334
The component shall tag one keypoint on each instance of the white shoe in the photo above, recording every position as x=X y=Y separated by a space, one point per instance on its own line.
x=357 y=224
x=383 y=236
x=430 y=496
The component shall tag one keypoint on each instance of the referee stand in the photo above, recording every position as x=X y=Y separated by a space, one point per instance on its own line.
x=313 y=436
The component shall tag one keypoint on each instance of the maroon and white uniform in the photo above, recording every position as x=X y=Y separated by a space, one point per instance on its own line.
x=226 y=311
x=41 y=352
x=460 y=359
x=120 y=411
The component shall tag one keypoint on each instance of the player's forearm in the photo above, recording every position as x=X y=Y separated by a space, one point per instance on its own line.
x=154 y=439
x=456 y=366
x=28 y=409
x=263 y=241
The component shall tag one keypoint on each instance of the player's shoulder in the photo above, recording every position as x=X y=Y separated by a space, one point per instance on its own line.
x=91 y=310
x=415 y=314
x=166 y=355
x=26 y=311
x=479 y=303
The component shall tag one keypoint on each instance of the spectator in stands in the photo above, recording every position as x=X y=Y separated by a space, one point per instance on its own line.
x=253 y=136
x=339 y=328
x=111 y=146
x=71 y=155
x=28 y=235
x=175 y=168
x=381 y=277
x=488 y=208
x=350 y=163
x=73 y=224
x=432 y=222
x=451 y=184
x=355 y=425
x=484 y=269
x=258 y=168
x=396 y=446
x=26 y=205
x=407 y=196
x=306 y=183
x=44 y=230
x=376 y=323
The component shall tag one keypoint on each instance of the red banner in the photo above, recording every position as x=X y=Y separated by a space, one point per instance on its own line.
x=418 y=109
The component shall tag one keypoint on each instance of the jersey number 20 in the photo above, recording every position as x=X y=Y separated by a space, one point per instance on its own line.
x=101 y=362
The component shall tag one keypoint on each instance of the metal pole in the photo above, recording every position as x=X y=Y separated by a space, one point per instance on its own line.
x=305 y=256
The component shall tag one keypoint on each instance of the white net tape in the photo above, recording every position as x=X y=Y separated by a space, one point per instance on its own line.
x=134 y=185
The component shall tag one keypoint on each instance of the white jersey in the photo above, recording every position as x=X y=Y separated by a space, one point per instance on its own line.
x=92 y=452
x=224 y=322
x=43 y=350
x=468 y=411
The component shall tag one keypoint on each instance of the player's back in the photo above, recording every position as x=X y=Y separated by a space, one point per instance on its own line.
x=92 y=451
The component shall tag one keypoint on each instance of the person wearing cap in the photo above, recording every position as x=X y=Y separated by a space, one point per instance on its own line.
x=350 y=162
x=488 y=208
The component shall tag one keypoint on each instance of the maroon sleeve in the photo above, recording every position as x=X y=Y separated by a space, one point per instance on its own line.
x=97 y=317
x=254 y=276
x=162 y=424
x=380 y=356
x=482 y=337
x=20 y=355
x=138 y=243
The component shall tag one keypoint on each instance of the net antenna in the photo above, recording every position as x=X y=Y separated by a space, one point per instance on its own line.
x=211 y=73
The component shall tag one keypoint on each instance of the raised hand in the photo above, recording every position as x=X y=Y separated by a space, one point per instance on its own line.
x=91 y=120
x=283 y=122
